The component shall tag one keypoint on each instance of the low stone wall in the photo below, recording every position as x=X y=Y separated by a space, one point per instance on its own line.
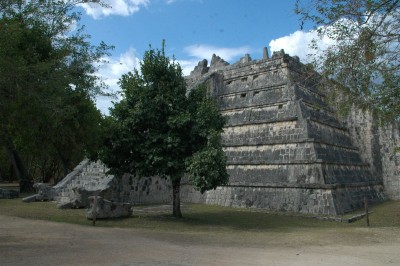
x=91 y=178
x=326 y=201
x=146 y=190
x=8 y=194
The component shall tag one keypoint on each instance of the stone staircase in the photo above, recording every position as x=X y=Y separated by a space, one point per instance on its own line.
x=90 y=178
x=87 y=179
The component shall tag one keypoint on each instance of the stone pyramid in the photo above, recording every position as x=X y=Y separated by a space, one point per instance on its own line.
x=286 y=148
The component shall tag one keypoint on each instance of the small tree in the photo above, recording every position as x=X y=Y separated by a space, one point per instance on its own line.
x=159 y=129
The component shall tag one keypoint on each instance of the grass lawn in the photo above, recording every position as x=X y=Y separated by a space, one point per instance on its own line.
x=199 y=218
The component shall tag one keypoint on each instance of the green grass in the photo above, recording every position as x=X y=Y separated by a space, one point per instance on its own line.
x=199 y=218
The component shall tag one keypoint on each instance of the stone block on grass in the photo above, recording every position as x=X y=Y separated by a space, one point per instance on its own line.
x=104 y=209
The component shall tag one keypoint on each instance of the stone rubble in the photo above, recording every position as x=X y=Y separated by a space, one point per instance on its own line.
x=107 y=209
x=44 y=193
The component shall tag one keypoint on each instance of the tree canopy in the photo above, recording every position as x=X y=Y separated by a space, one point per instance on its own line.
x=47 y=86
x=365 y=57
x=160 y=129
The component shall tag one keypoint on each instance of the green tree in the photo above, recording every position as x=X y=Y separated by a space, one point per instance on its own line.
x=365 y=57
x=47 y=84
x=160 y=129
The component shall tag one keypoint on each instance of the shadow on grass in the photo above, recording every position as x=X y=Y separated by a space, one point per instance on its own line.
x=207 y=218
x=197 y=218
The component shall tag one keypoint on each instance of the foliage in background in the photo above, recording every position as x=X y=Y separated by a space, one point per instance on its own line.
x=364 y=60
x=47 y=88
x=159 y=129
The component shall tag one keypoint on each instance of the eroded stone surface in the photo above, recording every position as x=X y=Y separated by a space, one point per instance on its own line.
x=88 y=179
x=286 y=148
x=101 y=209
x=91 y=178
x=44 y=193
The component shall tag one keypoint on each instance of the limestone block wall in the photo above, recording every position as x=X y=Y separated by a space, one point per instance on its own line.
x=286 y=149
x=271 y=198
x=274 y=174
x=268 y=133
x=293 y=199
x=334 y=135
x=146 y=190
x=93 y=177
x=314 y=113
x=377 y=147
x=352 y=197
x=344 y=174
x=310 y=96
x=389 y=139
x=363 y=134
x=90 y=176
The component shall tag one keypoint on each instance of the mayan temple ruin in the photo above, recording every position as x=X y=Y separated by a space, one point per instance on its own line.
x=286 y=148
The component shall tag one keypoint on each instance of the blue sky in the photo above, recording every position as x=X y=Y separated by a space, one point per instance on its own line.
x=193 y=30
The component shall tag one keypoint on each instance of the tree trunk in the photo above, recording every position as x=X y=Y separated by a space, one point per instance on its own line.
x=10 y=172
x=25 y=181
x=65 y=167
x=64 y=163
x=176 y=195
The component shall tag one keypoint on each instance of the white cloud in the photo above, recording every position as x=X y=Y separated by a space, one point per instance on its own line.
x=112 y=71
x=298 y=43
x=115 y=7
x=202 y=51
x=188 y=65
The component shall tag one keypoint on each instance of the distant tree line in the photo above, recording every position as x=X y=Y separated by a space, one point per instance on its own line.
x=48 y=117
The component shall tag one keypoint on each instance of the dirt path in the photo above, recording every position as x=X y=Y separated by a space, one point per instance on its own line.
x=31 y=242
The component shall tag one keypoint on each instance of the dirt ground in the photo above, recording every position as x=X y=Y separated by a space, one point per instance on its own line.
x=33 y=242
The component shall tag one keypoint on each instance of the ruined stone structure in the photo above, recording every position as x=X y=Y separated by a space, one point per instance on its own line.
x=87 y=179
x=91 y=178
x=377 y=146
x=286 y=148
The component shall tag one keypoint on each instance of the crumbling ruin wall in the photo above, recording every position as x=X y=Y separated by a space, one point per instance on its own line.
x=91 y=178
x=286 y=148
x=389 y=140
x=146 y=190
x=377 y=144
